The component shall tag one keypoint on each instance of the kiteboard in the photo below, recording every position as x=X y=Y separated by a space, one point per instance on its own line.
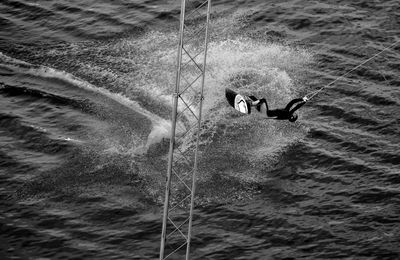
x=240 y=102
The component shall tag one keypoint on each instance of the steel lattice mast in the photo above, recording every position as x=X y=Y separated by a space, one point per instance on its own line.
x=187 y=107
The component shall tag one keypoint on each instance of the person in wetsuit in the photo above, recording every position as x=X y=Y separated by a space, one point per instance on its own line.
x=286 y=113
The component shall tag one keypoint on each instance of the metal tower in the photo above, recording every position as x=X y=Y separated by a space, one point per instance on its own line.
x=187 y=107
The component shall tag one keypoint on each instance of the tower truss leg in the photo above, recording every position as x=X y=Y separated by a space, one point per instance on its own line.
x=188 y=102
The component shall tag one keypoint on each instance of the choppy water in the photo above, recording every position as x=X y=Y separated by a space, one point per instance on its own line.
x=85 y=105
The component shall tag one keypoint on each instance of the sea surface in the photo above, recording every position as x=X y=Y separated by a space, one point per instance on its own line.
x=85 y=108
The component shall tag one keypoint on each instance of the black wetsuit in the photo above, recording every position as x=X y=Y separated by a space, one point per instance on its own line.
x=282 y=113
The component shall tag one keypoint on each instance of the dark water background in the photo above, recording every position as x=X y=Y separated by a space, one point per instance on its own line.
x=84 y=116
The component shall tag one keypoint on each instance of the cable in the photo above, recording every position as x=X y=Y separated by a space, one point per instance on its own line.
x=312 y=94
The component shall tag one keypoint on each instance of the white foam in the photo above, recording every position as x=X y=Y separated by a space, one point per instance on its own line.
x=160 y=126
x=12 y=61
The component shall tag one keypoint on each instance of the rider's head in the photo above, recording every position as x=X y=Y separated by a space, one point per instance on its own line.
x=293 y=118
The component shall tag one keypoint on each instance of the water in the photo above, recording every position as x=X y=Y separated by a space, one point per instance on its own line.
x=84 y=123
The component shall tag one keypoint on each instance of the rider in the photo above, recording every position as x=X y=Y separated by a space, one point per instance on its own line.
x=280 y=113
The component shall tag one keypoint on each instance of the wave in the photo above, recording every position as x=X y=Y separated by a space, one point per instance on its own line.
x=160 y=127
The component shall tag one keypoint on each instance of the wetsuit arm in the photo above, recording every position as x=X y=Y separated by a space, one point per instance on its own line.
x=294 y=101
x=297 y=106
